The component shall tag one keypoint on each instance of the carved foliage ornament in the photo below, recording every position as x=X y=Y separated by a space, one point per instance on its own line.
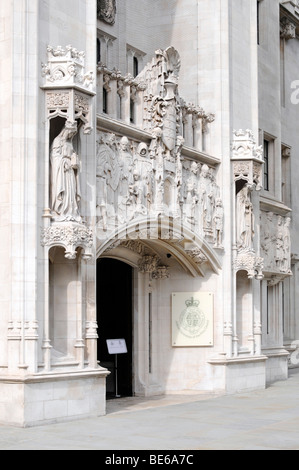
x=70 y=236
x=106 y=10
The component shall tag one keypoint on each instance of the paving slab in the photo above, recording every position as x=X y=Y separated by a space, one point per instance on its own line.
x=263 y=420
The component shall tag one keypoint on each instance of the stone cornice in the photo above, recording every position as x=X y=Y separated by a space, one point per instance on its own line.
x=106 y=123
x=273 y=205
x=55 y=376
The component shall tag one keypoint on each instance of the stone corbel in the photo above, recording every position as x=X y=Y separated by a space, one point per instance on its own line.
x=287 y=29
x=276 y=279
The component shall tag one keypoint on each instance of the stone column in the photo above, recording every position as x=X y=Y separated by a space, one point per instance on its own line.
x=112 y=98
x=126 y=102
x=197 y=132
x=100 y=85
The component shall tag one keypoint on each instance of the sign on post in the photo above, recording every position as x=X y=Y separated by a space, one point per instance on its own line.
x=117 y=346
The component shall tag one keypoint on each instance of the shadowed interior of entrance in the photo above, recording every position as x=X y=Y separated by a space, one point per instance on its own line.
x=114 y=316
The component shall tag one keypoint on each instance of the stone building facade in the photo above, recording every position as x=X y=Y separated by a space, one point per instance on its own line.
x=148 y=193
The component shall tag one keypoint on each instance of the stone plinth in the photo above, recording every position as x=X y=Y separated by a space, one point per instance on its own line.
x=52 y=398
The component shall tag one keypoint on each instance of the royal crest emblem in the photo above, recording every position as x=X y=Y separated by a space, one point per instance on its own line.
x=192 y=322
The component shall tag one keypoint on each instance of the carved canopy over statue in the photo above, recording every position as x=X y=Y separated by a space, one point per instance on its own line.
x=106 y=10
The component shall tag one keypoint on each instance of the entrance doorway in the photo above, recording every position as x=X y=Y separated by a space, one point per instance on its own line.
x=114 y=316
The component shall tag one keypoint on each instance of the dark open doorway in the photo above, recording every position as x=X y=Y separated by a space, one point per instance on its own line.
x=114 y=316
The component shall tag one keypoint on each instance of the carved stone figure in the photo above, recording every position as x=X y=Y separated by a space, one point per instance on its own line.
x=287 y=246
x=218 y=223
x=106 y=10
x=65 y=166
x=268 y=240
x=126 y=163
x=138 y=192
x=279 y=245
x=245 y=219
x=192 y=194
x=204 y=202
x=102 y=171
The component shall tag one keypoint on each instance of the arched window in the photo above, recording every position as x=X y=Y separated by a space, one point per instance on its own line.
x=135 y=67
x=105 y=101
x=98 y=50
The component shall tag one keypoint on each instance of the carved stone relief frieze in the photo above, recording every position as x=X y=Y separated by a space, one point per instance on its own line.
x=137 y=181
x=276 y=242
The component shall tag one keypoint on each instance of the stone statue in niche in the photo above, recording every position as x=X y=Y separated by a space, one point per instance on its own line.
x=65 y=167
x=245 y=219
x=110 y=173
x=106 y=10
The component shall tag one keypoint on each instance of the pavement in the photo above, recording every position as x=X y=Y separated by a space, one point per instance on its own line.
x=261 y=420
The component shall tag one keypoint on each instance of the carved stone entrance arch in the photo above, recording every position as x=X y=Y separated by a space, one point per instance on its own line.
x=151 y=236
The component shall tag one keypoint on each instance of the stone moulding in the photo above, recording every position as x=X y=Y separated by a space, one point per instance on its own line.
x=70 y=236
